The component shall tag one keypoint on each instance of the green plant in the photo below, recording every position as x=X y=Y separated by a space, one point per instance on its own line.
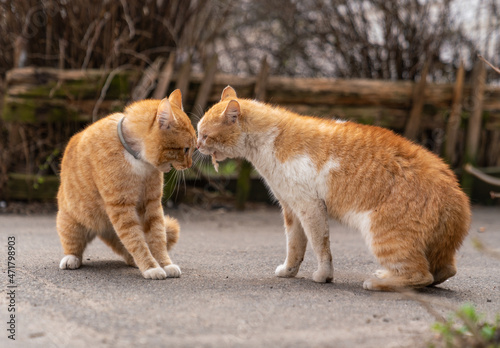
x=467 y=328
x=39 y=179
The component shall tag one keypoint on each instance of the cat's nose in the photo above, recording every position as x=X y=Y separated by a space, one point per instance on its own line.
x=198 y=144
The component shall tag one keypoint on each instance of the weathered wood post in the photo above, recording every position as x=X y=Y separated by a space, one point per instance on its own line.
x=454 y=120
x=413 y=125
x=206 y=85
x=165 y=78
x=244 y=182
x=182 y=82
x=475 y=121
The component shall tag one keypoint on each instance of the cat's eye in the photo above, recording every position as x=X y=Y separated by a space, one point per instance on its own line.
x=204 y=136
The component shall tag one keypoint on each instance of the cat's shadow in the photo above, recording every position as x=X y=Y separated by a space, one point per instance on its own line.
x=105 y=264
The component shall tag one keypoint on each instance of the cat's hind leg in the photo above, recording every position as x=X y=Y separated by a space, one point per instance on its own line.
x=405 y=264
x=296 y=244
x=443 y=266
x=74 y=238
x=110 y=238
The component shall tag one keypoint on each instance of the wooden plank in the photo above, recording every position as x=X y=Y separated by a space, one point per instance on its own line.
x=281 y=90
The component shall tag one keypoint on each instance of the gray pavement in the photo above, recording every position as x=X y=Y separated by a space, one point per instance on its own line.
x=228 y=295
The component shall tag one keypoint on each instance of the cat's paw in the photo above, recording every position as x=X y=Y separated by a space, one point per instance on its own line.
x=382 y=274
x=323 y=276
x=155 y=273
x=376 y=284
x=173 y=271
x=284 y=272
x=70 y=262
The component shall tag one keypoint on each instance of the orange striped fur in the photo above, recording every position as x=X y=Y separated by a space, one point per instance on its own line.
x=106 y=192
x=405 y=200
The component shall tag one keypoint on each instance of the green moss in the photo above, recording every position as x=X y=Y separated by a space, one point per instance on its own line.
x=31 y=110
x=22 y=187
x=21 y=112
x=78 y=89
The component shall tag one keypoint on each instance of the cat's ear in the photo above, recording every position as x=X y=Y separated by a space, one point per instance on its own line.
x=164 y=115
x=228 y=92
x=232 y=111
x=175 y=99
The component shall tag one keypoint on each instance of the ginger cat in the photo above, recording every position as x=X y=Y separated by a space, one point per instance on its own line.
x=405 y=200
x=112 y=183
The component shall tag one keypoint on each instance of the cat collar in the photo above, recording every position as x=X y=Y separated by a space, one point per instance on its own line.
x=124 y=142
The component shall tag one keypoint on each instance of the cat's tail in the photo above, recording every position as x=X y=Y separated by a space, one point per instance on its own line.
x=172 y=228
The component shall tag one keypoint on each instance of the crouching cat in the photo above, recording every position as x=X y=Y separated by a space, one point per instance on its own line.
x=405 y=200
x=112 y=183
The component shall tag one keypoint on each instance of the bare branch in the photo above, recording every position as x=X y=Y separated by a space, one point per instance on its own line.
x=488 y=63
x=482 y=176
x=104 y=89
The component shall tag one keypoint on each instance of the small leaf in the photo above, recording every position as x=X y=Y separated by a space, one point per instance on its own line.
x=488 y=332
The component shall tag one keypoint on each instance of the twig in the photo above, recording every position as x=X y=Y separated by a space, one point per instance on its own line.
x=488 y=63
x=104 y=89
x=148 y=80
x=90 y=46
x=128 y=19
x=480 y=175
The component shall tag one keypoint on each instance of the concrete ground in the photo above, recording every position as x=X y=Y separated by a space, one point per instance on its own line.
x=228 y=295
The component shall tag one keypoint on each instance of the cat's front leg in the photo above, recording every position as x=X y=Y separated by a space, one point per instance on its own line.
x=296 y=244
x=314 y=219
x=124 y=218
x=156 y=237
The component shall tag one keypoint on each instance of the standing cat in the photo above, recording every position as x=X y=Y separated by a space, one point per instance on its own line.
x=405 y=200
x=112 y=183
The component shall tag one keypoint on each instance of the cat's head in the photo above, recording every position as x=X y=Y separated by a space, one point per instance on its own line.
x=170 y=138
x=220 y=130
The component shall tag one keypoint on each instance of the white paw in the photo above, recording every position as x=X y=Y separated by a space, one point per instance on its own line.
x=323 y=276
x=70 y=262
x=284 y=272
x=155 y=273
x=173 y=271
x=368 y=284
x=382 y=273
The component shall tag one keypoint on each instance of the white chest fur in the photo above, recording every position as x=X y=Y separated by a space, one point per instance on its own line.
x=297 y=178
x=138 y=167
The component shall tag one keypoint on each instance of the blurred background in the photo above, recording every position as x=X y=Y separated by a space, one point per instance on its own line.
x=408 y=65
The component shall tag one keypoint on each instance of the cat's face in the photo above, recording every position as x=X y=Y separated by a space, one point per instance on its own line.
x=219 y=131
x=171 y=139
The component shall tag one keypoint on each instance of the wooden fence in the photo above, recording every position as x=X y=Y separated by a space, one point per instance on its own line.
x=43 y=107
